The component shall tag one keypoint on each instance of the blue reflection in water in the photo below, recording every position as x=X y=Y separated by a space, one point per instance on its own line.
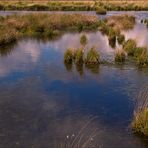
x=44 y=105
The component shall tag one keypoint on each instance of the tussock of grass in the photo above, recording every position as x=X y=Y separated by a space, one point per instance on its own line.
x=142 y=59
x=120 y=56
x=8 y=36
x=140 y=120
x=129 y=46
x=79 y=56
x=120 y=38
x=83 y=40
x=93 y=57
x=69 y=56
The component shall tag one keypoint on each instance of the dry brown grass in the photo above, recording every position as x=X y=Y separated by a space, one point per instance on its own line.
x=140 y=121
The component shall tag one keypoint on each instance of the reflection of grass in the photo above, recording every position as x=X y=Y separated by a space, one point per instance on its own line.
x=79 y=56
x=83 y=40
x=120 y=38
x=93 y=68
x=140 y=121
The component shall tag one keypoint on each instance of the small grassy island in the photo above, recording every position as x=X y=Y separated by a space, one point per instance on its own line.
x=45 y=25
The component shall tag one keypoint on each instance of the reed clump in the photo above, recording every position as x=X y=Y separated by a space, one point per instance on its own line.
x=79 y=56
x=93 y=57
x=8 y=36
x=120 y=56
x=69 y=56
x=121 y=38
x=83 y=40
x=140 y=120
x=142 y=58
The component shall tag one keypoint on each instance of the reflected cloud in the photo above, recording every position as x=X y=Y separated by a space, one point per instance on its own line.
x=139 y=34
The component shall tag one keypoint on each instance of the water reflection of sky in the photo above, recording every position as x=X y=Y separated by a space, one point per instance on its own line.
x=139 y=33
x=44 y=105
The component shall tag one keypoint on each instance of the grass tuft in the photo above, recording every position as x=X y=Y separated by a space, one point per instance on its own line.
x=129 y=46
x=69 y=56
x=120 y=56
x=93 y=57
x=142 y=59
x=120 y=38
x=79 y=56
x=83 y=40
x=140 y=120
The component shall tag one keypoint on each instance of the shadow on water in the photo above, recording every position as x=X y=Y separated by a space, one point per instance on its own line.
x=81 y=68
x=7 y=49
x=93 y=68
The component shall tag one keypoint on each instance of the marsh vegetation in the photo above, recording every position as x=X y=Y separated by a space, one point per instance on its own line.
x=140 y=120
x=45 y=25
x=101 y=69
x=74 y=5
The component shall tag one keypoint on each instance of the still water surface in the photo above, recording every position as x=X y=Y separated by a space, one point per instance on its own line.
x=45 y=105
